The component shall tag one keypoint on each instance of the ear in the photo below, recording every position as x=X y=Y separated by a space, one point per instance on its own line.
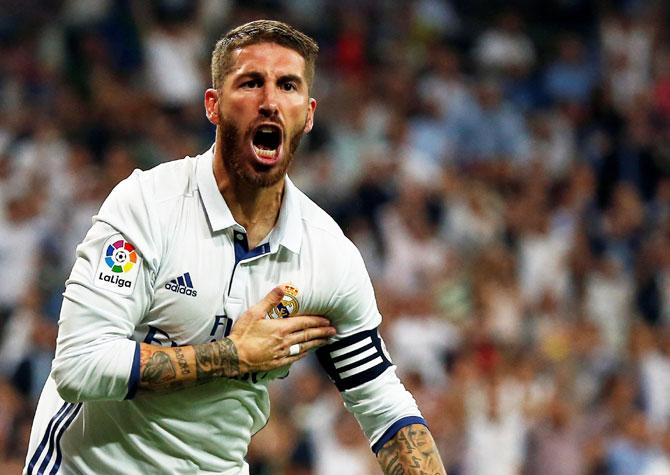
x=309 y=123
x=212 y=105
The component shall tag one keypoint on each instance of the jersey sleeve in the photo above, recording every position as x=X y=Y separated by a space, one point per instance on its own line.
x=106 y=295
x=358 y=363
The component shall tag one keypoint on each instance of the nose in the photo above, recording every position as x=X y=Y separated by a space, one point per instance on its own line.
x=268 y=106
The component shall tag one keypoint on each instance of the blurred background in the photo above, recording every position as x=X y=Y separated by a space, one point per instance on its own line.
x=504 y=167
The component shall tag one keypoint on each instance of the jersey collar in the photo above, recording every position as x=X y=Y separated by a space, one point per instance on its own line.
x=288 y=230
x=216 y=208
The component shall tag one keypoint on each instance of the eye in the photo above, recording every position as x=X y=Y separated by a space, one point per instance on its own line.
x=289 y=86
x=251 y=84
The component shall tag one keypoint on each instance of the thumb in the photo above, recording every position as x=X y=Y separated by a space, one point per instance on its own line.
x=268 y=302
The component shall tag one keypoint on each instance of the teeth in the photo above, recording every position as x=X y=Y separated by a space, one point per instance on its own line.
x=265 y=153
x=266 y=129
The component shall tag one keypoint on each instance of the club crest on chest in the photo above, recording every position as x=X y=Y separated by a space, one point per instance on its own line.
x=289 y=304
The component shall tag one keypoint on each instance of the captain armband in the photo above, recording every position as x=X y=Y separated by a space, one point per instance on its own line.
x=355 y=360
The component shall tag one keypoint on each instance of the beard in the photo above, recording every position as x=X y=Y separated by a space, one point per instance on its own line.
x=238 y=160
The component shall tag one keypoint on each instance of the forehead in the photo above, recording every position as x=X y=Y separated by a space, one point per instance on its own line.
x=268 y=59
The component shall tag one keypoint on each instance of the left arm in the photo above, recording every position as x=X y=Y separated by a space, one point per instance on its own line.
x=411 y=451
x=357 y=362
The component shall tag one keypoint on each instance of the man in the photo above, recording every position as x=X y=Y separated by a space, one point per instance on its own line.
x=158 y=369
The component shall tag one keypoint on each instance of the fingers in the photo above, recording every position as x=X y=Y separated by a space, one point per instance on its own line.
x=303 y=322
x=267 y=303
x=305 y=348
x=289 y=360
x=303 y=336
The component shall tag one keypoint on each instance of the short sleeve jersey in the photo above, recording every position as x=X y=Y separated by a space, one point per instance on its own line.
x=166 y=264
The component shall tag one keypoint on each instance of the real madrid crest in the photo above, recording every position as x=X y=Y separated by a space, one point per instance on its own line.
x=289 y=303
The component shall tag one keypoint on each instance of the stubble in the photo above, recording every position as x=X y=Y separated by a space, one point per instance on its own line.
x=238 y=162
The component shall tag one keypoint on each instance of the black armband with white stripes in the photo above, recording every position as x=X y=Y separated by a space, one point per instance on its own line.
x=354 y=360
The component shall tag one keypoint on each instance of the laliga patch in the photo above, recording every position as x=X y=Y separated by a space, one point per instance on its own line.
x=289 y=304
x=119 y=266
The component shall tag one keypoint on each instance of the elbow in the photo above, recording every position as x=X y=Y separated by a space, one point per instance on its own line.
x=68 y=384
x=69 y=394
x=92 y=376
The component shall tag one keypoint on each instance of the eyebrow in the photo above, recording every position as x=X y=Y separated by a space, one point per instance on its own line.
x=291 y=77
x=282 y=79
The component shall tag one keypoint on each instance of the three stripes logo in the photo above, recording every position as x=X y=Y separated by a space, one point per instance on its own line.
x=48 y=456
x=182 y=285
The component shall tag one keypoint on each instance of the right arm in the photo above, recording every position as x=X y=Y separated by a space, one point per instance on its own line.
x=96 y=355
x=255 y=344
x=87 y=369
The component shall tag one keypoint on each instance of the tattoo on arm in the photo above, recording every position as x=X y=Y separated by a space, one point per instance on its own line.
x=411 y=451
x=218 y=358
x=177 y=367
x=181 y=359
x=159 y=369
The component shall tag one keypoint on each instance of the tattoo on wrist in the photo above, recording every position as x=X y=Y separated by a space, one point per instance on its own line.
x=218 y=358
x=411 y=451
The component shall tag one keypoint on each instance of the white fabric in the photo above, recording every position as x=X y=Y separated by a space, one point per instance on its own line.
x=179 y=224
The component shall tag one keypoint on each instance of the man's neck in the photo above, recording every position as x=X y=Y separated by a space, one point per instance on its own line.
x=256 y=208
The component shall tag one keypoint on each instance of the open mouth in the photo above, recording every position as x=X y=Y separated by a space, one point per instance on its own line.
x=266 y=142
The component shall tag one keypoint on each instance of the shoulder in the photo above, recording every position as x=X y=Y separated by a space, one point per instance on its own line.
x=343 y=281
x=144 y=192
x=318 y=224
x=165 y=181
x=327 y=244
x=139 y=206
x=325 y=241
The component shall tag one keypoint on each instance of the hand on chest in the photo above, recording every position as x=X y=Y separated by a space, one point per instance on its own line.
x=203 y=288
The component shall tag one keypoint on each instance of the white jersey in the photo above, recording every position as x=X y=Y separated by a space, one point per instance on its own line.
x=165 y=263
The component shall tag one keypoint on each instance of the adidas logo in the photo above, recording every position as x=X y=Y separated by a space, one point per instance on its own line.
x=182 y=285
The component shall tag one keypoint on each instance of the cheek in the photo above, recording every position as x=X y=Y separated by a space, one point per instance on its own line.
x=300 y=114
x=236 y=108
x=232 y=111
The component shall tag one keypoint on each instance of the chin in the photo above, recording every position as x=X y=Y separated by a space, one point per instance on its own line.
x=263 y=180
x=262 y=176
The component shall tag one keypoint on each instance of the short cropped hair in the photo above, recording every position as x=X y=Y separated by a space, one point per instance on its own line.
x=262 y=31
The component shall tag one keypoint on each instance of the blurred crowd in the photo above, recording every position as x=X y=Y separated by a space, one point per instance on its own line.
x=504 y=168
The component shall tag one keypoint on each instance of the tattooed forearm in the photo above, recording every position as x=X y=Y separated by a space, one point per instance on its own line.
x=411 y=451
x=218 y=358
x=159 y=369
x=177 y=367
